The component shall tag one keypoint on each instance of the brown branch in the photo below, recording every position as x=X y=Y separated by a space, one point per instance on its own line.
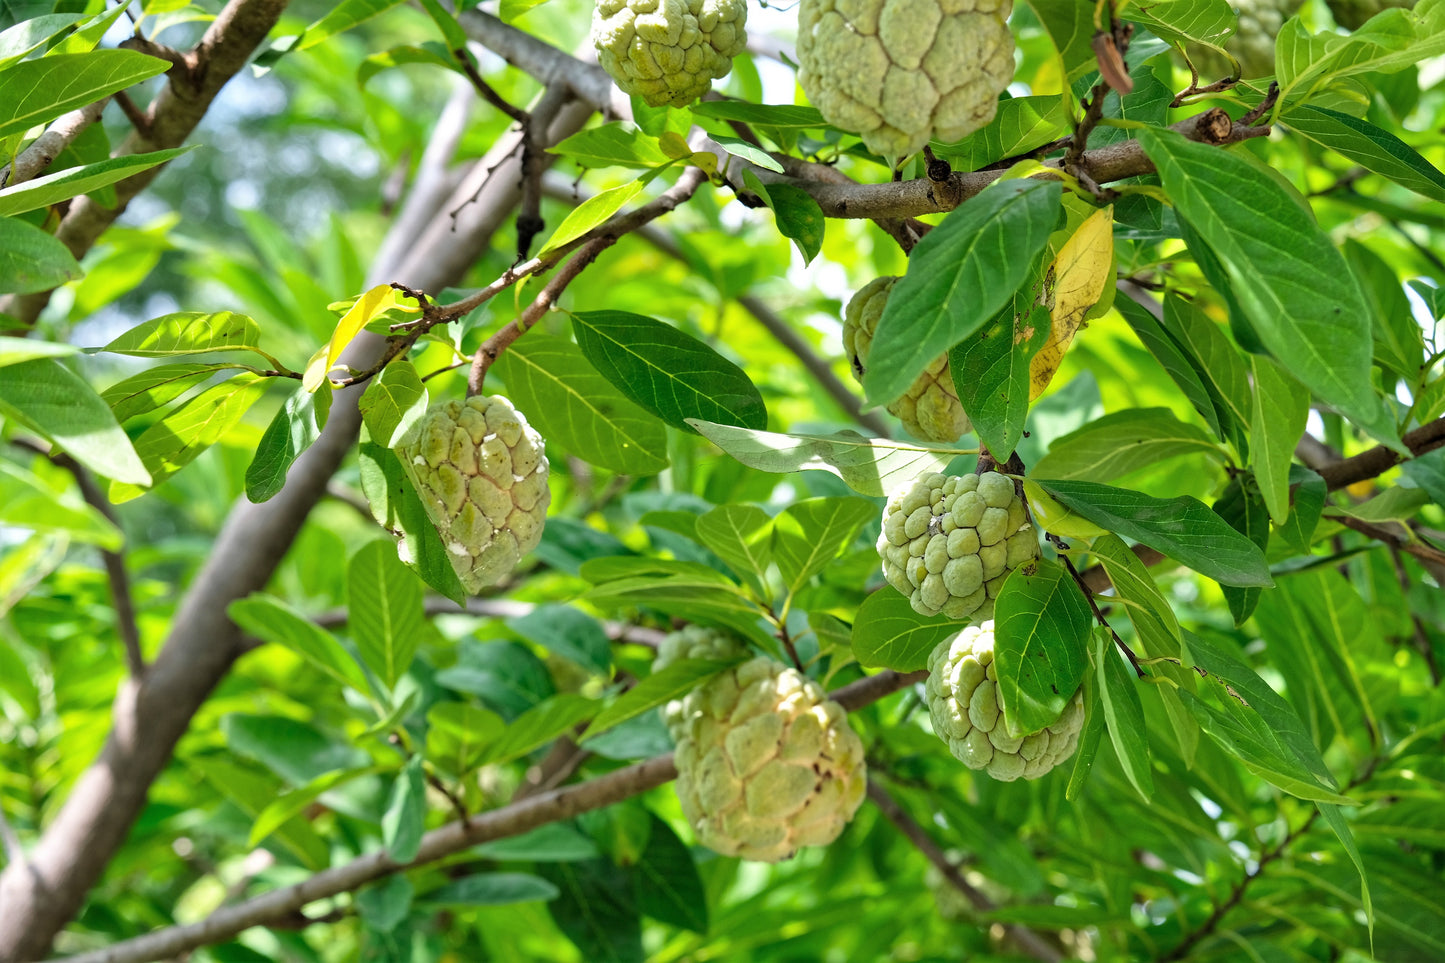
x=1380 y=459
x=43 y=150
x=1027 y=940
x=1425 y=553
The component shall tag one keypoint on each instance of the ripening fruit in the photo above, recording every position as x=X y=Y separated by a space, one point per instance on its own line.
x=481 y=472
x=668 y=51
x=693 y=642
x=767 y=763
x=1352 y=14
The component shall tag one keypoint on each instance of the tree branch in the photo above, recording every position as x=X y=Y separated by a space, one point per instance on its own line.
x=1378 y=460
x=43 y=150
x=518 y=817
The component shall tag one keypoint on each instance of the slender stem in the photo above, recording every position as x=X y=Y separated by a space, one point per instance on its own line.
x=1099 y=614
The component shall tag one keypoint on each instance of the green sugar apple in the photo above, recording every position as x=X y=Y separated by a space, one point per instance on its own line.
x=767 y=763
x=962 y=696
x=950 y=541
x=1352 y=14
x=668 y=51
x=929 y=409
x=1252 y=43
x=693 y=642
x=901 y=72
x=481 y=472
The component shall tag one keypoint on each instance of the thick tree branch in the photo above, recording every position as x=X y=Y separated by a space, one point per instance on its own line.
x=525 y=814
x=41 y=153
x=1378 y=460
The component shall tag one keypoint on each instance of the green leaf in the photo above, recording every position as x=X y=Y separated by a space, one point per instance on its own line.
x=809 y=534
x=961 y=274
x=671 y=374
x=50 y=399
x=174 y=441
x=291 y=432
x=990 y=372
x=673 y=682
x=27 y=502
x=1182 y=528
x=189 y=332
x=35 y=92
x=1178 y=362
x=1197 y=22
x=343 y=16
x=404 y=822
x=396 y=507
x=273 y=620
x=252 y=791
x=157 y=387
x=888 y=633
x=393 y=402
x=1390 y=41
x=870 y=466
x=17 y=350
x=28 y=35
x=491 y=889
x=383 y=905
x=758 y=157
x=568 y=632
x=385 y=610
x=1281 y=406
x=590 y=213
x=618 y=144
x=452 y=31
x=1290 y=280
x=539 y=725
x=1309 y=502
x=1021 y=124
x=294 y=750
x=1241 y=506
x=458 y=734
x=1070 y=26
x=1041 y=632
x=696 y=593
x=597 y=910
x=1215 y=358
x=578 y=410
x=32 y=260
x=762 y=115
x=740 y=535
x=1123 y=442
x=1399 y=342
x=1123 y=713
x=1373 y=148
x=510 y=10
x=53 y=188
x=428 y=53
x=549 y=843
x=667 y=883
x=293 y=803
x=799 y=218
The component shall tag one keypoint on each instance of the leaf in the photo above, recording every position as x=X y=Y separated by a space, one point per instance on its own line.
x=396 y=507
x=698 y=593
x=672 y=375
x=1281 y=406
x=189 y=332
x=1197 y=22
x=596 y=910
x=32 y=260
x=252 y=791
x=1019 y=125
x=383 y=905
x=294 y=802
x=870 y=466
x=50 y=399
x=1373 y=148
x=291 y=432
x=666 y=882
x=271 y=619
x=294 y=750
x=961 y=274
x=17 y=350
x=362 y=312
x=1392 y=41
x=1241 y=506
x=1041 y=631
x=809 y=534
x=1125 y=441
x=549 y=843
x=398 y=56
x=761 y=115
x=1182 y=528
x=590 y=213
x=1070 y=26
x=742 y=536
x=672 y=682
x=28 y=35
x=1079 y=274
x=177 y=439
x=35 y=92
x=798 y=216
x=157 y=387
x=1178 y=362
x=385 y=610
x=1291 y=282
x=576 y=409
x=342 y=17
x=404 y=822
x=1217 y=361
x=568 y=632
x=491 y=889
x=457 y=735
x=27 y=502
x=53 y=188
x=618 y=144
x=1399 y=342
x=888 y=633
x=1123 y=714
x=990 y=373
x=393 y=402
x=539 y=725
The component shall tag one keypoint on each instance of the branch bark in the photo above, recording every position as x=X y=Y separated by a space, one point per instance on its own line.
x=41 y=153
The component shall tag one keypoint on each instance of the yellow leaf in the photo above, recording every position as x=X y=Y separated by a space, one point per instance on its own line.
x=381 y=298
x=1075 y=283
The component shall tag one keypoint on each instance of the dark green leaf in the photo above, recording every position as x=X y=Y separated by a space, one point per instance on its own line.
x=404 y=822
x=385 y=610
x=991 y=374
x=1373 y=148
x=666 y=882
x=1089 y=740
x=1123 y=713
x=1178 y=362
x=291 y=432
x=385 y=903
x=1123 y=442
x=492 y=889
x=887 y=632
x=1244 y=510
x=550 y=843
x=1281 y=407
x=1399 y=342
x=569 y=632
x=1308 y=497
x=764 y=115
x=295 y=751
x=32 y=260
x=596 y=910
x=1041 y=632
x=799 y=219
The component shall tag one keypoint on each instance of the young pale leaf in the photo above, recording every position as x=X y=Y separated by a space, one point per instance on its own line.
x=1290 y=280
x=32 y=260
x=666 y=881
x=809 y=534
x=342 y=17
x=991 y=374
x=50 y=399
x=1182 y=528
x=1075 y=284
x=673 y=682
x=888 y=633
x=870 y=466
x=27 y=35
x=590 y=213
x=291 y=432
x=1123 y=713
x=274 y=620
x=616 y=144
x=53 y=188
x=539 y=725
x=34 y=92
x=740 y=535
x=1041 y=632
x=362 y=312
x=17 y=350
x=1123 y=442
x=961 y=274
x=491 y=889
x=189 y=332
x=671 y=374
x=385 y=610
x=578 y=410
x=404 y=821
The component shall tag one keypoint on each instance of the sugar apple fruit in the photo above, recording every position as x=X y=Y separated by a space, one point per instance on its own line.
x=767 y=763
x=481 y=472
x=950 y=541
x=929 y=409
x=693 y=642
x=962 y=696
x=1253 y=41
x=1352 y=14
x=900 y=72
x=668 y=51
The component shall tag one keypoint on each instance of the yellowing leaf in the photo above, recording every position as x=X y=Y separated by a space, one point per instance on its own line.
x=381 y=298
x=1076 y=282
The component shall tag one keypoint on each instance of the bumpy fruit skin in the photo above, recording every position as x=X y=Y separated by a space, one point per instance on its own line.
x=1253 y=41
x=899 y=72
x=929 y=409
x=668 y=51
x=1352 y=14
x=481 y=472
x=950 y=541
x=693 y=642
x=962 y=696
x=767 y=763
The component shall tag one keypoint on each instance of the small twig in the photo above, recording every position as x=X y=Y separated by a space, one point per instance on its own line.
x=560 y=764
x=1264 y=107
x=1093 y=604
x=435 y=781
x=1425 y=553
x=487 y=92
x=138 y=118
